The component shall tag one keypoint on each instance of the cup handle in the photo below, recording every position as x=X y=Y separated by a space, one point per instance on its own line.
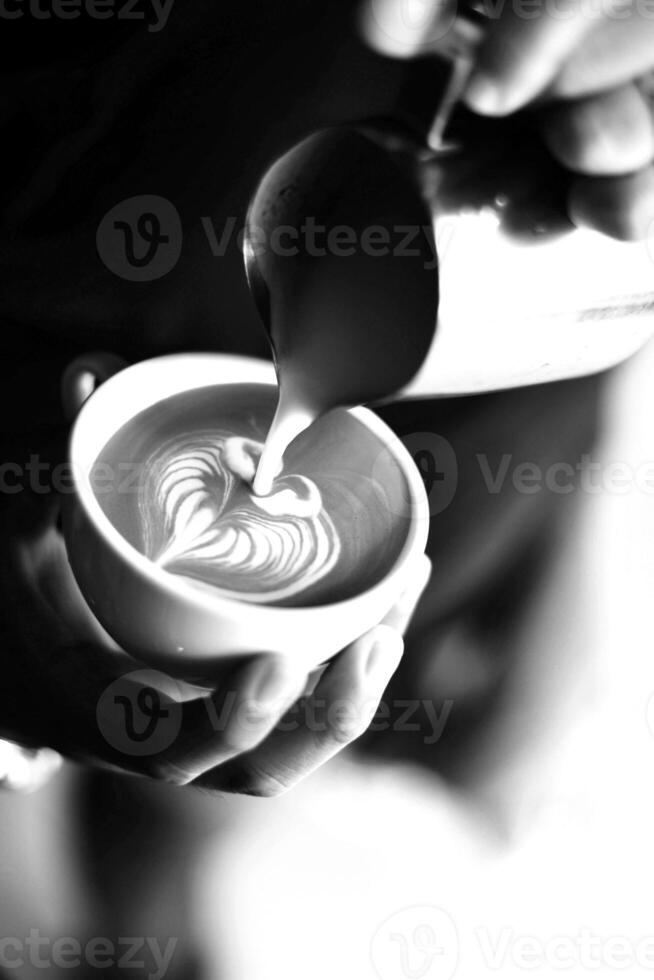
x=84 y=375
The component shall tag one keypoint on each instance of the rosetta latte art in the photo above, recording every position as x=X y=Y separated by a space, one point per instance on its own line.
x=201 y=520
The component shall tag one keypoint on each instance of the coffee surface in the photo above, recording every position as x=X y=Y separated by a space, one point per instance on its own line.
x=176 y=482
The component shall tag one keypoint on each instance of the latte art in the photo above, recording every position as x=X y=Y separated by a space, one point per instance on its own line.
x=325 y=532
x=200 y=519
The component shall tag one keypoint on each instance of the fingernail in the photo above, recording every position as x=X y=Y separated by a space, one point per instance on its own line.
x=386 y=650
x=483 y=95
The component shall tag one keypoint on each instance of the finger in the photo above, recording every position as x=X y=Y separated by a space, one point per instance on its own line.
x=621 y=207
x=25 y=770
x=248 y=702
x=607 y=134
x=613 y=53
x=406 y=28
x=146 y=722
x=339 y=711
x=243 y=709
x=400 y=615
x=521 y=55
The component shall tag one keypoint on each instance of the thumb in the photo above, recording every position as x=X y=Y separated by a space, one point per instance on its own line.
x=399 y=616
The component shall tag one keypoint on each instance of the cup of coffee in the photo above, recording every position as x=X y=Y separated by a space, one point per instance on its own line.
x=181 y=563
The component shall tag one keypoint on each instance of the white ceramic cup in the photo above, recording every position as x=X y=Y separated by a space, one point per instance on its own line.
x=159 y=617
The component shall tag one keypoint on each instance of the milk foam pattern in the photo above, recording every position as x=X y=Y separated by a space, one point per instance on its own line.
x=201 y=520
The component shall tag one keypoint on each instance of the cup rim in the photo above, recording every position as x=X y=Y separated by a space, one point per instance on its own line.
x=252 y=371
